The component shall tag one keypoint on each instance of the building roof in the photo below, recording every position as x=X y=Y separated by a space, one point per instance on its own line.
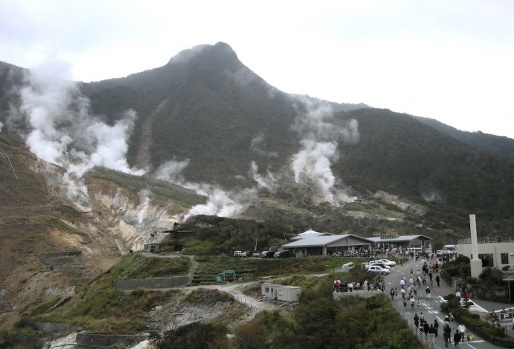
x=309 y=233
x=399 y=238
x=320 y=241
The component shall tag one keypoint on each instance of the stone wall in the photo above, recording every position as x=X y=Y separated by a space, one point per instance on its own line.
x=132 y=284
x=106 y=340
x=52 y=327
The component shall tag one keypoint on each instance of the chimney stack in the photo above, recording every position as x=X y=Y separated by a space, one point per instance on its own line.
x=476 y=263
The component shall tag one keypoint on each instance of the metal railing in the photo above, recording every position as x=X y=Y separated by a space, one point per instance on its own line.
x=421 y=337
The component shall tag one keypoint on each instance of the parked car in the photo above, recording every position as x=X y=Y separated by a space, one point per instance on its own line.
x=378 y=270
x=267 y=254
x=380 y=264
x=246 y=254
x=348 y=266
x=238 y=253
x=387 y=262
x=282 y=254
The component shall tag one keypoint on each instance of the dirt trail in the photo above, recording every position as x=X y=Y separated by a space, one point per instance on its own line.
x=236 y=289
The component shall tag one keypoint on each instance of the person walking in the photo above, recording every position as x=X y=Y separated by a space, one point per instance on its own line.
x=427 y=290
x=436 y=327
x=426 y=328
x=462 y=330
x=431 y=331
x=447 y=334
x=446 y=337
x=438 y=280
x=456 y=339
x=416 y=320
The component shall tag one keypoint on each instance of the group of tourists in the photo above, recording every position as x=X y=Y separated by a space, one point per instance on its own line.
x=460 y=335
x=429 y=329
x=343 y=286
x=409 y=290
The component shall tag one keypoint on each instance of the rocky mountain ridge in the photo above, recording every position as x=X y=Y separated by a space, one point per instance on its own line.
x=104 y=167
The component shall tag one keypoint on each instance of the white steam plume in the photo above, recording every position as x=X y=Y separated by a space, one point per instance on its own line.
x=313 y=162
x=265 y=182
x=145 y=202
x=62 y=131
x=258 y=144
x=170 y=171
x=320 y=138
x=219 y=202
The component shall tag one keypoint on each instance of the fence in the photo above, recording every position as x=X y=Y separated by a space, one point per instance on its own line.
x=421 y=337
x=245 y=301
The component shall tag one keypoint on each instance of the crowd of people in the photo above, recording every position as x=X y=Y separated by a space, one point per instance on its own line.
x=410 y=294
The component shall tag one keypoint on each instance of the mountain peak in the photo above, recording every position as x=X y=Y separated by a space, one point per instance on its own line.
x=219 y=49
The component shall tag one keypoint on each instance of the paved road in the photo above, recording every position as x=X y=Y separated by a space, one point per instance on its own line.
x=430 y=307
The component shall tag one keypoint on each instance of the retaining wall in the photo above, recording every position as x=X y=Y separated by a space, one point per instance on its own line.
x=61 y=254
x=106 y=340
x=132 y=284
x=52 y=327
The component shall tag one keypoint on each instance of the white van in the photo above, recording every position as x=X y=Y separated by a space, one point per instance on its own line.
x=348 y=266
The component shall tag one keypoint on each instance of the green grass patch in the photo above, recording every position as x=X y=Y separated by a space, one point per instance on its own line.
x=100 y=308
x=252 y=268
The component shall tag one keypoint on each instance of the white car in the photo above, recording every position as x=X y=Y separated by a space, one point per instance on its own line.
x=388 y=262
x=238 y=253
x=380 y=264
x=378 y=270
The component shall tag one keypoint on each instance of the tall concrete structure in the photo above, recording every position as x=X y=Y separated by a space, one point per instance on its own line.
x=476 y=263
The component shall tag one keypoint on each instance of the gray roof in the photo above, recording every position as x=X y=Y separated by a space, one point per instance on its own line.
x=322 y=241
x=399 y=238
x=309 y=233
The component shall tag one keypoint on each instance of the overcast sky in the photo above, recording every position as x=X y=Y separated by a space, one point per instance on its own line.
x=448 y=60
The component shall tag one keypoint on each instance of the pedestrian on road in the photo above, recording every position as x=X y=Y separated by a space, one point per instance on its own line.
x=436 y=327
x=418 y=303
x=426 y=328
x=431 y=331
x=447 y=332
x=404 y=303
x=438 y=280
x=456 y=338
x=392 y=293
x=416 y=320
x=462 y=330
x=446 y=337
x=412 y=301
x=428 y=292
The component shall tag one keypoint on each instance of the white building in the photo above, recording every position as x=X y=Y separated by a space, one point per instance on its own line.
x=281 y=292
x=494 y=252
x=325 y=245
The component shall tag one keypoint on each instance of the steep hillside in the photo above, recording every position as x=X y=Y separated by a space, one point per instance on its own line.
x=401 y=155
x=218 y=117
x=57 y=233
x=497 y=145
x=204 y=99
x=206 y=121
